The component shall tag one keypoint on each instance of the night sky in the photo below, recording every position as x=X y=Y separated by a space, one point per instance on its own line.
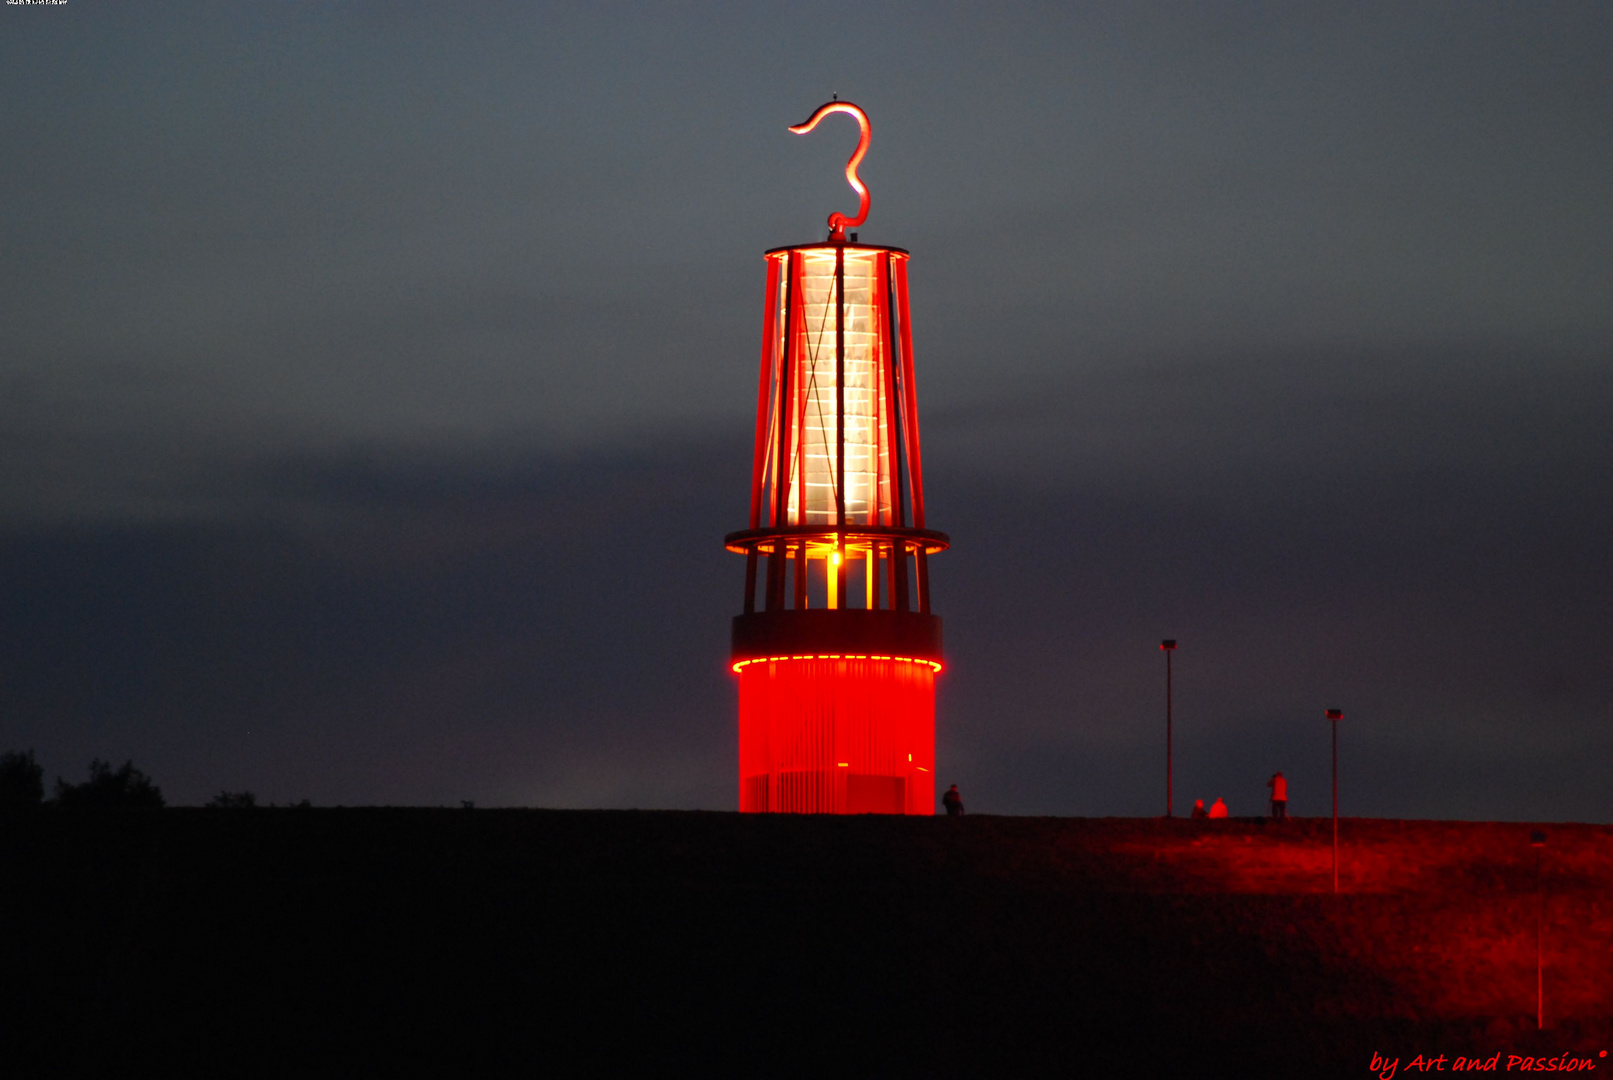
x=377 y=383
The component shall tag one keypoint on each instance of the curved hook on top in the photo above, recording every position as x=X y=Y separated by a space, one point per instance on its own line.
x=838 y=223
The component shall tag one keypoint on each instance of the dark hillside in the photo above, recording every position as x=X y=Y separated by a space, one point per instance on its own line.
x=280 y=942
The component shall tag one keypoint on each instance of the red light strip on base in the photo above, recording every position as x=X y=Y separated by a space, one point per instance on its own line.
x=935 y=664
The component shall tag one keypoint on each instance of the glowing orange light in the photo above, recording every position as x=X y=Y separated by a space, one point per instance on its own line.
x=934 y=665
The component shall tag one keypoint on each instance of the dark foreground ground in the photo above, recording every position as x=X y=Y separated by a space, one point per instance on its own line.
x=484 y=942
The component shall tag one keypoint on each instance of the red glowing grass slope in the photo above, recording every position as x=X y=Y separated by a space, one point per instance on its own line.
x=1443 y=914
x=981 y=945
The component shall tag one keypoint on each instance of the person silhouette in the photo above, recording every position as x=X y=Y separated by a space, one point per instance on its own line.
x=1218 y=809
x=1198 y=809
x=953 y=802
x=1279 y=796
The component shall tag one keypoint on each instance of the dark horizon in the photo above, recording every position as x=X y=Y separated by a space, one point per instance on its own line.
x=376 y=386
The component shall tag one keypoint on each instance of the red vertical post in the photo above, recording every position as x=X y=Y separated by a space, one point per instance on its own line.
x=764 y=393
x=801 y=576
x=898 y=436
x=885 y=453
x=1334 y=716
x=910 y=426
x=1169 y=646
x=764 y=429
x=1540 y=949
x=783 y=446
x=910 y=408
x=802 y=396
x=837 y=565
x=1537 y=840
x=782 y=390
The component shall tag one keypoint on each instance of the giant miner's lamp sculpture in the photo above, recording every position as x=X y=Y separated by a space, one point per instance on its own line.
x=837 y=650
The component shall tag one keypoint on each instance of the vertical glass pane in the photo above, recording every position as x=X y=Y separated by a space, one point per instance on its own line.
x=813 y=501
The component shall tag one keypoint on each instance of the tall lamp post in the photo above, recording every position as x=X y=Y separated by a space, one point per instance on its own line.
x=1537 y=840
x=1334 y=716
x=1169 y=646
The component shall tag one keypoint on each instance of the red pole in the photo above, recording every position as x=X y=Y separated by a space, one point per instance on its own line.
x=763 y=394
x=1334 y=716
x=910 y=410
x=1538 y=840
x=1169 y=645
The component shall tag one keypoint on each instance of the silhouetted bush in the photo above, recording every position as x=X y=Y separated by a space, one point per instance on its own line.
x=125 y=787
x=233 y=800
x=22 y=781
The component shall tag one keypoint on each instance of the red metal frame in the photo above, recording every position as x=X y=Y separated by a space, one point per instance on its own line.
x=784 y=398
x=759 y=465
x=910 y=406
x=801 y=710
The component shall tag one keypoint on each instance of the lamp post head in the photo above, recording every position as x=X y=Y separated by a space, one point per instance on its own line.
x=1169 y=644
x=1335 y=714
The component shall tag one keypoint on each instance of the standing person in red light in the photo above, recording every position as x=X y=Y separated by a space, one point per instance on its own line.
x=953 y=802
x=1279 y=796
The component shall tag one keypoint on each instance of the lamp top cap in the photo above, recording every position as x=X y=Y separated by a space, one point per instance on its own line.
x=1168 y=643
x=1335 y=714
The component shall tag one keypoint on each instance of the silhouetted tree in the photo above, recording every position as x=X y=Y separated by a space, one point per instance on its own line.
x=233 y=800
x=125 y=787
x=22 y=781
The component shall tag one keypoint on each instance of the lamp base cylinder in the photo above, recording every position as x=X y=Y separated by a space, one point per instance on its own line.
x=820 y=735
